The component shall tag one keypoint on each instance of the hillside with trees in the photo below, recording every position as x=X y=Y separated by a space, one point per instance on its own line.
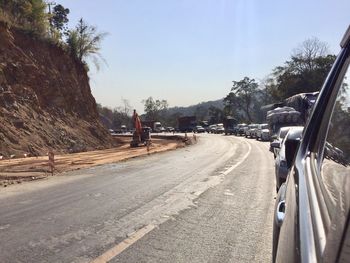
x=305 y=71
x=45 y=97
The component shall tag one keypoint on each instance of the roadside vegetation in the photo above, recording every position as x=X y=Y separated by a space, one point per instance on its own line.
x=305 y=71
x=114 y=118
x=49 y=22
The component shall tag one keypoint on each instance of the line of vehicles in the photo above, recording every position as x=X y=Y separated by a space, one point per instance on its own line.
x=229 y=126
x=257 y=131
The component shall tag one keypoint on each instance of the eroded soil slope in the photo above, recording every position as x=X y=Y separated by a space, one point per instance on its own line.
x=45 y=99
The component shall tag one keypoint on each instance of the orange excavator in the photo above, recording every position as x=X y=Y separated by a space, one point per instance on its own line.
x=141 y=135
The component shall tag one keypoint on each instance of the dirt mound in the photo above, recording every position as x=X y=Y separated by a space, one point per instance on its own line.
x=45 y=99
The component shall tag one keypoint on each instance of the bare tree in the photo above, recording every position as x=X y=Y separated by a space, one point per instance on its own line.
x=305 y=71
x=305 y=55
x=126 y=107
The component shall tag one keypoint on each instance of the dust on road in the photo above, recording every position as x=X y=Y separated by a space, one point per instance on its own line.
x=15 y=171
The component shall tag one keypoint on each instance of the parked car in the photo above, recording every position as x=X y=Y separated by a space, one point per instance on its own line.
x=312 y=213
x=123 y=128
x=241 y=128
x=219 y=128
x=250 y=132
x=281 y=169
x=205 y=125
x=198 y=129
x=263 y=132
x=275 y=145
x=111 y=132
x=254 y=131
x=212 y=128
x=170 y=129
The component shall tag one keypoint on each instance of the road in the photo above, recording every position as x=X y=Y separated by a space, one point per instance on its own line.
x=210 y=202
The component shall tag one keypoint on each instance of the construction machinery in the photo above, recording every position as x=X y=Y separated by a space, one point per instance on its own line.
x=141 y=135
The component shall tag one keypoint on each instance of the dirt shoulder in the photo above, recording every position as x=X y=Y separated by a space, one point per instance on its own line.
x=15 y=171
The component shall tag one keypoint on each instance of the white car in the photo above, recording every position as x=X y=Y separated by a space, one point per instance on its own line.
x=250 y=132
x=263 y=132
x=212 y=128
x=276 y=144
x=219 y=128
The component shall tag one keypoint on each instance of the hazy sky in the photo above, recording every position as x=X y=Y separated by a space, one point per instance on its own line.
x=188 y=51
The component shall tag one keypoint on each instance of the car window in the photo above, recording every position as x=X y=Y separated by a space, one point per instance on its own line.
x=283 y=133
x=335 y=169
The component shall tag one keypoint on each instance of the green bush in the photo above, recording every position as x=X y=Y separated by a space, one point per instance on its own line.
x=30 y=15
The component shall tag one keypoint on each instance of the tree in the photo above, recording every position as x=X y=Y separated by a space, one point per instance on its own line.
x=114 y=118
x=126 y=107
x=304 y=72
x=201 y=112
x=28 y=14
x=242 y=98
x=85 y=42
x=59 y=19
x=306 y=54
x=216 y=115
x=155 y=109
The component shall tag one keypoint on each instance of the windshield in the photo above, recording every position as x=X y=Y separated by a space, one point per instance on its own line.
x=134 y=131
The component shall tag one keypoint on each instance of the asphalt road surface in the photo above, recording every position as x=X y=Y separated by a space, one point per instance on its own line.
x=210 y=202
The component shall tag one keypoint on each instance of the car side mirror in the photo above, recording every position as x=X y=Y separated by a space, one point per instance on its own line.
x=275 y=144
x=291 y=147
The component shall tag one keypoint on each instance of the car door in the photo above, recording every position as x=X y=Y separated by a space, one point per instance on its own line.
x=312 y=209
x=329 y=184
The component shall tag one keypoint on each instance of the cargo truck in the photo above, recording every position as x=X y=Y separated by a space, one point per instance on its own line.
x=186 y=123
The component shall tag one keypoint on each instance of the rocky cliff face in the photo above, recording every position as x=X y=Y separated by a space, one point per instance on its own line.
x=45 y=99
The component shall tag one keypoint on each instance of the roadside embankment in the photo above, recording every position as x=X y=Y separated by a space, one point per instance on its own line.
x=45 y=99
x=14 y=171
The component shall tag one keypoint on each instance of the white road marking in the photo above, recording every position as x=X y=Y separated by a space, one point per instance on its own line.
x=116 y=250
x=119 y=248
x=239 y=162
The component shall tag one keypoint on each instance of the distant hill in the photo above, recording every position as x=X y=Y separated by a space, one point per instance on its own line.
x=197 y=109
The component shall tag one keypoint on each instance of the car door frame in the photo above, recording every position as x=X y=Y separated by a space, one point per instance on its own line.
x=302 y=220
